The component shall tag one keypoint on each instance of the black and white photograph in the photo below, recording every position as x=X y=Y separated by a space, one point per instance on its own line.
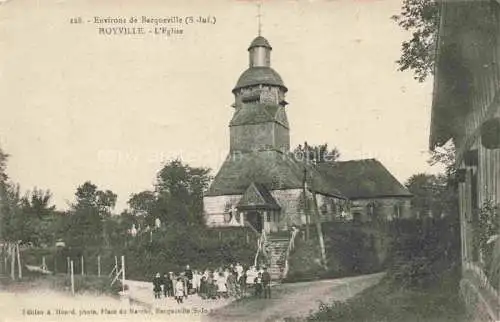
x=250 y=160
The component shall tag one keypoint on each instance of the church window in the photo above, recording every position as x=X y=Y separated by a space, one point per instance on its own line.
x=324 y=209
x=369 y=209
x=397 y=210
x=268 y=217
x=227 y=217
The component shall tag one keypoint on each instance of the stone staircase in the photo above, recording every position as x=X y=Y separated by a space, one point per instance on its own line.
x=276 y=249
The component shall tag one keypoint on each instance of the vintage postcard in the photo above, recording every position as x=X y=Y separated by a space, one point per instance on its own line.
x=238 y=160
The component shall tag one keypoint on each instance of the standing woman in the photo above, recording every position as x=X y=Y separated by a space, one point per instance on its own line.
x=211 y=287
x=157 y=285
x=166 y=283
x=203 y=287
x=231 y=284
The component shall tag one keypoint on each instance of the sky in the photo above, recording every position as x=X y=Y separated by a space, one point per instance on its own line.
x=77 y=105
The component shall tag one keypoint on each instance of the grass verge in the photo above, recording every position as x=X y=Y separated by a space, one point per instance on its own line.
x=386 y=302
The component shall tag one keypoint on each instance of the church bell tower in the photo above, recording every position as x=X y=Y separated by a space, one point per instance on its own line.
x=259 y=121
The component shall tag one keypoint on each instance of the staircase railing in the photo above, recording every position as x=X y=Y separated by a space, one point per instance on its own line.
x=260 y=241
x=260 y=247
x=247 y=223
x=291 y=246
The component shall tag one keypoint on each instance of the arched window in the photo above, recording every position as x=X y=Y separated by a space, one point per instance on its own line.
x=370 y=209
x=356 y=217
x=228 y=216
x=323 y=208
x=397 y=213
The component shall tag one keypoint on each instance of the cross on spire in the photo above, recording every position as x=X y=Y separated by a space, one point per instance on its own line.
x=259 y=16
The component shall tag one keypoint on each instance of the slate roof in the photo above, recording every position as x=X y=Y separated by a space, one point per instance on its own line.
x=258 y=196
x=366 y=178
x=259 y=75
x=273 y=169
x=254 y=114
x=260 y=41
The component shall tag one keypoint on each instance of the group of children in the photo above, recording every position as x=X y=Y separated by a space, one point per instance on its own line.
x=232 y=281
x=175 y=285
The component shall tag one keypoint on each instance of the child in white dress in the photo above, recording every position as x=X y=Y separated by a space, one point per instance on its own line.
x=221 y=286
x=179 y=290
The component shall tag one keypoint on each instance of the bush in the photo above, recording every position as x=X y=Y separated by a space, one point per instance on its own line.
x=423 y=251
x=350 y=250
x=169 y=249
x=387 y=302
x=173 y=248
x=305 y=262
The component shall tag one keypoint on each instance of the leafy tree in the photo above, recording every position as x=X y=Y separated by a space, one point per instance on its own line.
x=143 y=203
x=38 y=217
x=449 y=196
x=88 y=196
x=37 y=203
x=427 y=193
x=437 y=194
x=28 y=218
x=88 y=215
x=179 y=191
x=14 y=227
x=316 y=153
x=445 y=156
x=3 y=192
x=3 y=166
x=421 y=18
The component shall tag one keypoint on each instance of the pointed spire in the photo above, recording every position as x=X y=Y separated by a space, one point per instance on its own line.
x=259 y=16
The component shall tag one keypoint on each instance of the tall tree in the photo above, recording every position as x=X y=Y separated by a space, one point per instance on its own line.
x=421 y=19
x=445 y=156
x=3 y=166
x=89 y=213
x=180 y=193
x=142 y=203
x=38 y=203
x=38 y=217
x=436 y=193
x=3 y=192
x=428 y=191
x=14 y=228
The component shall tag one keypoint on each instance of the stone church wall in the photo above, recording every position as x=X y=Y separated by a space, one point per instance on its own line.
x=386 y=208
x=331 y=207
x=215 y=207
x=291 y=202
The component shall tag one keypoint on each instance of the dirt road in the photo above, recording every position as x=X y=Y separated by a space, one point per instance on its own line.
x=293 y=300
x=289 y=300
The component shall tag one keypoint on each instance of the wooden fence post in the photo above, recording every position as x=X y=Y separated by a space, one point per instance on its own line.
x=12 y=254
x=123 y=273
x=72 y=278
x=98 y=265
x=83 y=272
x=20 y=269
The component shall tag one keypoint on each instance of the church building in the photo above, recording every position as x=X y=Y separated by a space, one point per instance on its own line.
x=261 y=183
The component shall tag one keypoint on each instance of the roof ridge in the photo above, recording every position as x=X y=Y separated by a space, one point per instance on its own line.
x=353 y=160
